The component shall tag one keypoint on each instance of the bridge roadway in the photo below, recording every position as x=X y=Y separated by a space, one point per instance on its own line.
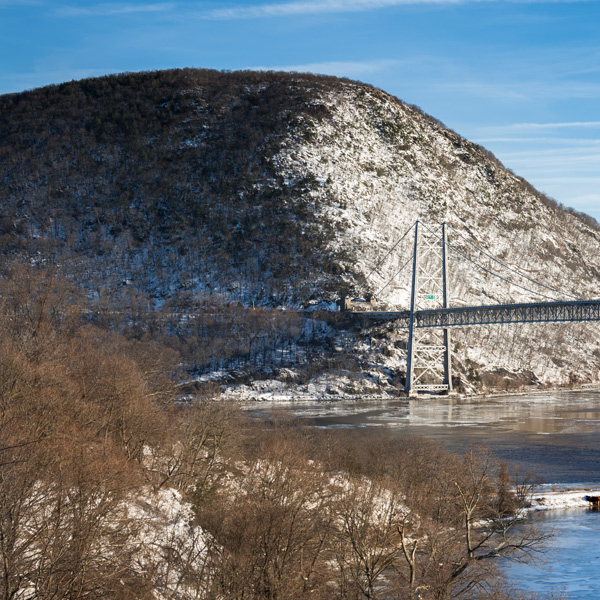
x=465 y=316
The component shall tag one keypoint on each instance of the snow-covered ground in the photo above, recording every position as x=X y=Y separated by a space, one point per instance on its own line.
x=569 y=498
x=168 y=544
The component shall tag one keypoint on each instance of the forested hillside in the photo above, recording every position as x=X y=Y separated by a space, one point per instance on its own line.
x=164 y=179
x=240 y=198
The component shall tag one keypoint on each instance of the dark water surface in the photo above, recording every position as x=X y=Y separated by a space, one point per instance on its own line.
x=557 y=434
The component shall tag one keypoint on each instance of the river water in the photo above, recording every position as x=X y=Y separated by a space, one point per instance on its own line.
x=556 y=434
x=572 y=561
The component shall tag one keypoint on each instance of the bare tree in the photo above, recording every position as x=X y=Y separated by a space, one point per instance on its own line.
x=190 y=455
x=369 y=515
x=273 y=526
x=452 y=537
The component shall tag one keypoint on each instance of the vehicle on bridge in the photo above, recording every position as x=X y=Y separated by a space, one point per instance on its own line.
x=347 y=303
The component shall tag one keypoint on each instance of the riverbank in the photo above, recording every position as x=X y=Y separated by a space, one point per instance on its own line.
x=563 y=499
x=271 y=391
x=537 y=391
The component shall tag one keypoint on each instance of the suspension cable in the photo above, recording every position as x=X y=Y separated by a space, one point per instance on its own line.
x=500 y=276
x=559 y=292
x=437 y=235
x=394 y=276
x=383 y=259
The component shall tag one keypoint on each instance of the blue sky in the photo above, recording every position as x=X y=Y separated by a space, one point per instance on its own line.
x=520 y=77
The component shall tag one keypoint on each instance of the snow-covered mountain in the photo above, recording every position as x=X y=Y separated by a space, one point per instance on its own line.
x=282 y=190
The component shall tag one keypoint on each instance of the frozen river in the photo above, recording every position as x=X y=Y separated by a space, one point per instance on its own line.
x=557 y=434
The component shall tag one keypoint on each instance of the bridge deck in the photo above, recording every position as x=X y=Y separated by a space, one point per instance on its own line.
x=465 y=316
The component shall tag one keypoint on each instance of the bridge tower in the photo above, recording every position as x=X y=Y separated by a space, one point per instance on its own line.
x=428 y=356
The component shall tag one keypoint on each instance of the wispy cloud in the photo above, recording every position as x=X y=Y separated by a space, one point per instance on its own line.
x=564 y=168
x=311 y=7
x=525 y=133
x=595 y=180
x=272 y=9
x=589 y=202
x=339 y=68
x=110 y=10
x=19 y=3
x=572 y=124
x=537 y=140
x=585 y=202
x=306 y=7
x=523 y=91
x=548 y=161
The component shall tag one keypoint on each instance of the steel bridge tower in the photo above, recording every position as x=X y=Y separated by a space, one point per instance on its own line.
x=428 y=355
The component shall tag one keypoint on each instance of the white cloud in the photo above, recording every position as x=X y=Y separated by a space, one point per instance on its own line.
x=528 y=140
x=521 y=90
x=554 y=161
x=307 y=7
x=585 y=201
x=311 y=7
x=110 y=10
x=591 y=202
x=571 y=180
x=272 y=9
x=564 y=168
x=578 y=124
x=338 y=68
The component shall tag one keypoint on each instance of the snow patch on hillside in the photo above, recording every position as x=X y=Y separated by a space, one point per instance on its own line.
x=170 y=546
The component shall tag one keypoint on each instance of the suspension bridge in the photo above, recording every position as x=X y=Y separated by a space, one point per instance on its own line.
x=430 y=318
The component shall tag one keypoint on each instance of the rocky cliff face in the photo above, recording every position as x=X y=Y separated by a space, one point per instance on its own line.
x=282 y=190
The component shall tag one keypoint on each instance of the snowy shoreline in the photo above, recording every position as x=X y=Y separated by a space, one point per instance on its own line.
x=586 y=387
x=277 y=392
x=563 y=499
